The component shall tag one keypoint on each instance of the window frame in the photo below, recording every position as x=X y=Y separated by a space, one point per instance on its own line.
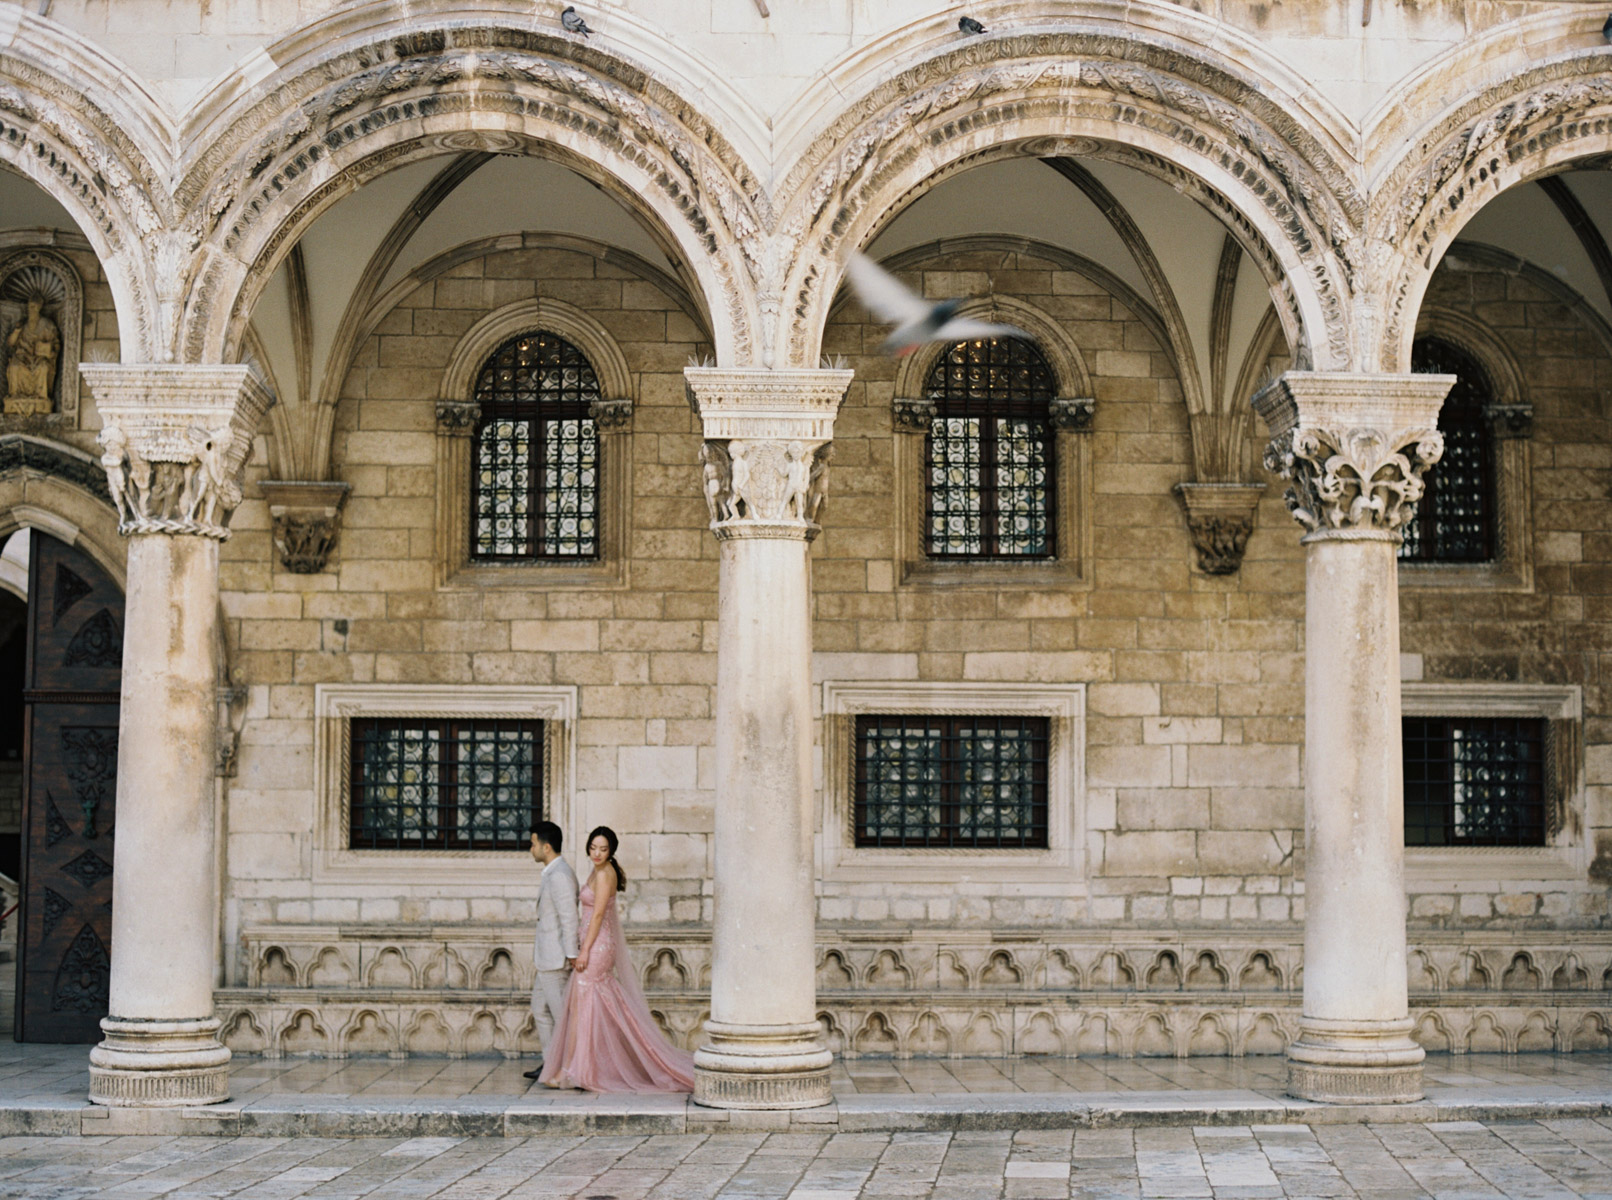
x=1565 y=856
x=336 y=705
x=541 y=412
x=447 y=786
x=1058 y=869
x=1474 y=400
x=950 y=783
x=1534 y=814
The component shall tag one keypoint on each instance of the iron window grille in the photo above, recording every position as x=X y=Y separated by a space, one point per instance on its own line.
x=1477 y=781
x=1454 y=522
x=989 y=485
x=535 y=458
x=951 y=782
x=444 y=785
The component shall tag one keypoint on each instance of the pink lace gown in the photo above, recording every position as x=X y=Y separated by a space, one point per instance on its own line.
x=606 y=1040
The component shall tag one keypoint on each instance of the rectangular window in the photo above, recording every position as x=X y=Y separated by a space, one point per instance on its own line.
x=1476 y=781
x=445 y=785
x=990 y=483
x=947 y=781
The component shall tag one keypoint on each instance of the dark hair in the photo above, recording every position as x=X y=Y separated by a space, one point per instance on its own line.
x=610 y=837
x=549 y=832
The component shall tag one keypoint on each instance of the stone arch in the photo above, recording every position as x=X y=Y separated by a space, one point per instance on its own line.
x=363 y=92
x=1163 y=105
x=1551 y=112
x=1504 y=374
x=84 y=129
x=60 y=490
x=550 y=316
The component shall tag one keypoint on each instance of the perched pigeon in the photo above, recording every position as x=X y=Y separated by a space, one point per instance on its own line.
x=571 y=21
x=970 y=26
x=916 y=320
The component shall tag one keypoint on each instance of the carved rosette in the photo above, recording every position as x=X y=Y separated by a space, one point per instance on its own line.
x=175 y=440
x=307 y=518
x=1220 y=517
x=1354 y=447
x=767 y=446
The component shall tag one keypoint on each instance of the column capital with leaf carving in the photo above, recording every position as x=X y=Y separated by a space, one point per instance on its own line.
x=1354 y=448
x=768 y=437
x=176 y=440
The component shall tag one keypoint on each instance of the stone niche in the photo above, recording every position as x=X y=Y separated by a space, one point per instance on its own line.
x=41 y=338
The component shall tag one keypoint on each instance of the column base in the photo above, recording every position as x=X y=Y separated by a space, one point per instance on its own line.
x=1355 y=1062
x=159 y=1064
x=762 y=1067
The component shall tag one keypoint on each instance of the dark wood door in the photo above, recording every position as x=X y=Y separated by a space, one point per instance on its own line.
x=70 y=767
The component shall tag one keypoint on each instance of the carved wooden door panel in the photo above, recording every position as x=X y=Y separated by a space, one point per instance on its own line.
x=75 y=661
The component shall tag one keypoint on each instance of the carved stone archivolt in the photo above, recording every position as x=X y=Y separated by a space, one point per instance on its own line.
x=1353 y=447
x=767 y=448
x=175 y=442
x=306 y=517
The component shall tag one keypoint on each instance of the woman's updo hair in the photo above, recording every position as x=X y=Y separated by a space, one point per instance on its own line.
x=609 y=835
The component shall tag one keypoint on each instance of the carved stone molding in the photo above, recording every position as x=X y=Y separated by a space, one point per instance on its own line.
x=457 y=418
x=767 y=447
x=1511 y=420
x=611 y=414
x=1220 y=517
x=1353 y=446
x=1072 y=414
x=912 y=416
x=175 y=441
x=307 y=518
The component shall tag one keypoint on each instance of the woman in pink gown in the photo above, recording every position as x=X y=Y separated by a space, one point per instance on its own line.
x=606 y=1040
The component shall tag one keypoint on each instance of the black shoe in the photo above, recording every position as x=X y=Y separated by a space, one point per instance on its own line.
x=534 y=1072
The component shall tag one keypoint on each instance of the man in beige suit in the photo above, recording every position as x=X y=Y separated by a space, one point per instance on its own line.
x=554 y=950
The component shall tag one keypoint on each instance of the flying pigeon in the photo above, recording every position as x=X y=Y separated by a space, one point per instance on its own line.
x=970 y=26
x=571 y=21
x=916 y=320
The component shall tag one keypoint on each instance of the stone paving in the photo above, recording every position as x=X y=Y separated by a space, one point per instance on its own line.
x=1457 y=1160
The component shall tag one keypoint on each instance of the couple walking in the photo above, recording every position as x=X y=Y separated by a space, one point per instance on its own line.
x=590 y=1012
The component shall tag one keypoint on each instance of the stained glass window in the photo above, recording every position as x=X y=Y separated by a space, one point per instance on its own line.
x=535 y=459
x=1473 y=781
x=951 y=781
x=1455 y=520
x=989 y=482
x=445 y=785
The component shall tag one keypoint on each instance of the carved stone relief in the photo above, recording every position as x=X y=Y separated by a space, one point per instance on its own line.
x=306 y=518
x=41 y=337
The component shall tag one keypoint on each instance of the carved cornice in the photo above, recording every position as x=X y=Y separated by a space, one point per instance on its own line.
x=457 y=418
x=1220 y=517
x=175 y=441
x=1353 y=446
x=1072 y=414
x=611 y=414
x=307 y=520
x=767 y=446
x=912 y=416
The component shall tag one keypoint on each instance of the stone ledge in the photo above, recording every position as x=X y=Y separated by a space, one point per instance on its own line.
x=573 y=1115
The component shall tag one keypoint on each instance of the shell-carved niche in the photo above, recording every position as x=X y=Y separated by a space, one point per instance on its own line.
x=41 y=336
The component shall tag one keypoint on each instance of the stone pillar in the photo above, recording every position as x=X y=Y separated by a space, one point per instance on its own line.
x=1355 y=448
x=176 y=439
x=767 y=443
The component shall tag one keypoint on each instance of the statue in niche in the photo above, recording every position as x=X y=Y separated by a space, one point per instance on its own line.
x=33 y=349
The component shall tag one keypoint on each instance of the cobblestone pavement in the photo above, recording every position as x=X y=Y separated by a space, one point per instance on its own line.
x=1457 y=1160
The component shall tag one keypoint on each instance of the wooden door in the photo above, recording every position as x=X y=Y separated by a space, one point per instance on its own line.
x=70 y=767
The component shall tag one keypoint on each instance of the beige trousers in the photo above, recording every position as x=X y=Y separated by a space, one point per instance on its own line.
x=548 y=1001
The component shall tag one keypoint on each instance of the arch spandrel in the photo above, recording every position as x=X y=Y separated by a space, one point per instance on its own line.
x=1163 y=109
x=335 y=117
x=1548 y=119
x=81 y=127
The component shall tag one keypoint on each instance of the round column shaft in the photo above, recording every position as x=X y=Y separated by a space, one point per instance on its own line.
x=1355 y=448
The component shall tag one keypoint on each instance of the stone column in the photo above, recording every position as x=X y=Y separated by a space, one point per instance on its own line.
x=176 y=439
x=767 y=443
x=1355 y=448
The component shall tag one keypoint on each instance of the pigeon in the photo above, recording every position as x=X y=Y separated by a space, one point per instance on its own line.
x=917 y=321
x=571 y=21
x=970 y=26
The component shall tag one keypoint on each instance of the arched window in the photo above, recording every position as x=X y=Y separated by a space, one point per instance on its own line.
x=535 y=460
x=1455 y=520
x=989 y=477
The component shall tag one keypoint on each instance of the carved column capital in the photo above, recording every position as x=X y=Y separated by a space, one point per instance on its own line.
x=175 y=441
x=767 y=444
x=307 y=518
x=1354 y=447
x=1220 y=517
